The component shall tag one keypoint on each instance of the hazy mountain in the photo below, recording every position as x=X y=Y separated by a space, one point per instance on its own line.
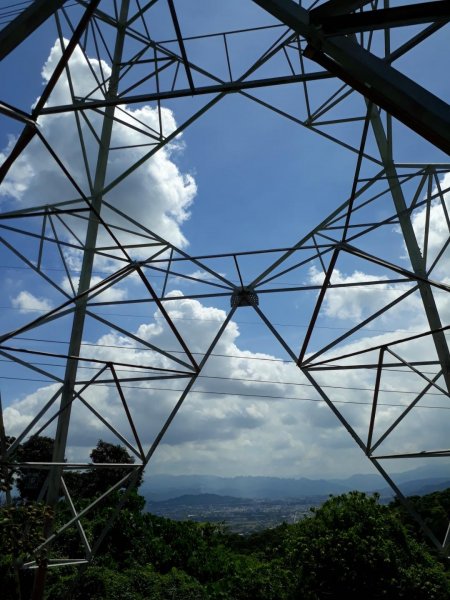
x=417 y=481
x=201 y=500
x=162 y=487
x=420 y=487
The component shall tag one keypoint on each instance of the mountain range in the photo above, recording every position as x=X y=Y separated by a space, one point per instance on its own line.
x=422 y=480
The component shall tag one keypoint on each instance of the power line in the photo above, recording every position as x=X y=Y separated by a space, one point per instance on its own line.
x=245 y=395
x=259 y=358
x=142 y=316
x=178 y=276
x=246 y=380
x=89 y=344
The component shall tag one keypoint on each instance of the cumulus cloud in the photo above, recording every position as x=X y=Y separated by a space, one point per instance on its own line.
x=224 y=406
x=357 y=301
x=240 y=409
x=248 y=412
x=18 y=415
x=157 y=195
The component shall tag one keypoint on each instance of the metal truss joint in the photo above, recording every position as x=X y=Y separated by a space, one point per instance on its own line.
x=244 y=296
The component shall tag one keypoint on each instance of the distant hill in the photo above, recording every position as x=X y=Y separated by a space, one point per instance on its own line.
x=201 y=500
x=163 y=487
x=418 y=481
x=421 y=487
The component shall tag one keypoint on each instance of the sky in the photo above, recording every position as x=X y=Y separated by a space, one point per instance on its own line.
x=241 y=178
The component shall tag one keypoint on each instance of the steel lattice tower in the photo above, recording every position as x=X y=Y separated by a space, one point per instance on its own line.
x=340 y=57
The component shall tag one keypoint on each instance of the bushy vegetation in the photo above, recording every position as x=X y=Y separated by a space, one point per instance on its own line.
x=351 y=547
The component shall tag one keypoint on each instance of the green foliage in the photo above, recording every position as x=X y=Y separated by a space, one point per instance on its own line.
x=6 y=474
x=30 y=481
x=21 y=531
x=102 y=583
x=433 y=508
x=248 y=578
x=104 y=452
x=7 y=576
x=96 y=481
x=14 y=583
x=266 y=544
x=352 y=547
x=21 y=528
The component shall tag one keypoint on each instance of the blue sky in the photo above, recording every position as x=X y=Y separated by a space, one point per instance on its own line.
x=240 y=178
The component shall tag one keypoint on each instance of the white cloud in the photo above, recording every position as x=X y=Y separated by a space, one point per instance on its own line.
x=356 y=302
x=241 y=416
x=109 y=294
x=204 y=275
x=26 y=302
x=213 y=416
x=157 y=195
x=438 y=228
x=18 y=415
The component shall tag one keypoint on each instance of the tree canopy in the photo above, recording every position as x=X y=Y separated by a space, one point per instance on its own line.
x=351 y=547
x=354 y=548
x=95 y=481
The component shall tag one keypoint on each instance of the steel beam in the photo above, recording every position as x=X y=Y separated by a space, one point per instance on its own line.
x=399 y=16
x=70 y=376
x=16 y=114
x=338 y=7
x=418 y=262
x=229 y=87
x=29 y=131
x=26 y=23
x=413 y=105
x=87 y=265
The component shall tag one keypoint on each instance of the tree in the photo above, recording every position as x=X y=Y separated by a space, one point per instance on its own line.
x=97 y=480
x=105 y=583
x=22 y=523
x=434 y=509
x=355 y=548
x=30 y=481
x=21 y=531
x=6 y=473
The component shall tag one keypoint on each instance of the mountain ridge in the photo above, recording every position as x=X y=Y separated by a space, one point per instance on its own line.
x=158 y=487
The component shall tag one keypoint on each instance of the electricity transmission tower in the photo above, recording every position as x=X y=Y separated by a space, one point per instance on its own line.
x=348 y=62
